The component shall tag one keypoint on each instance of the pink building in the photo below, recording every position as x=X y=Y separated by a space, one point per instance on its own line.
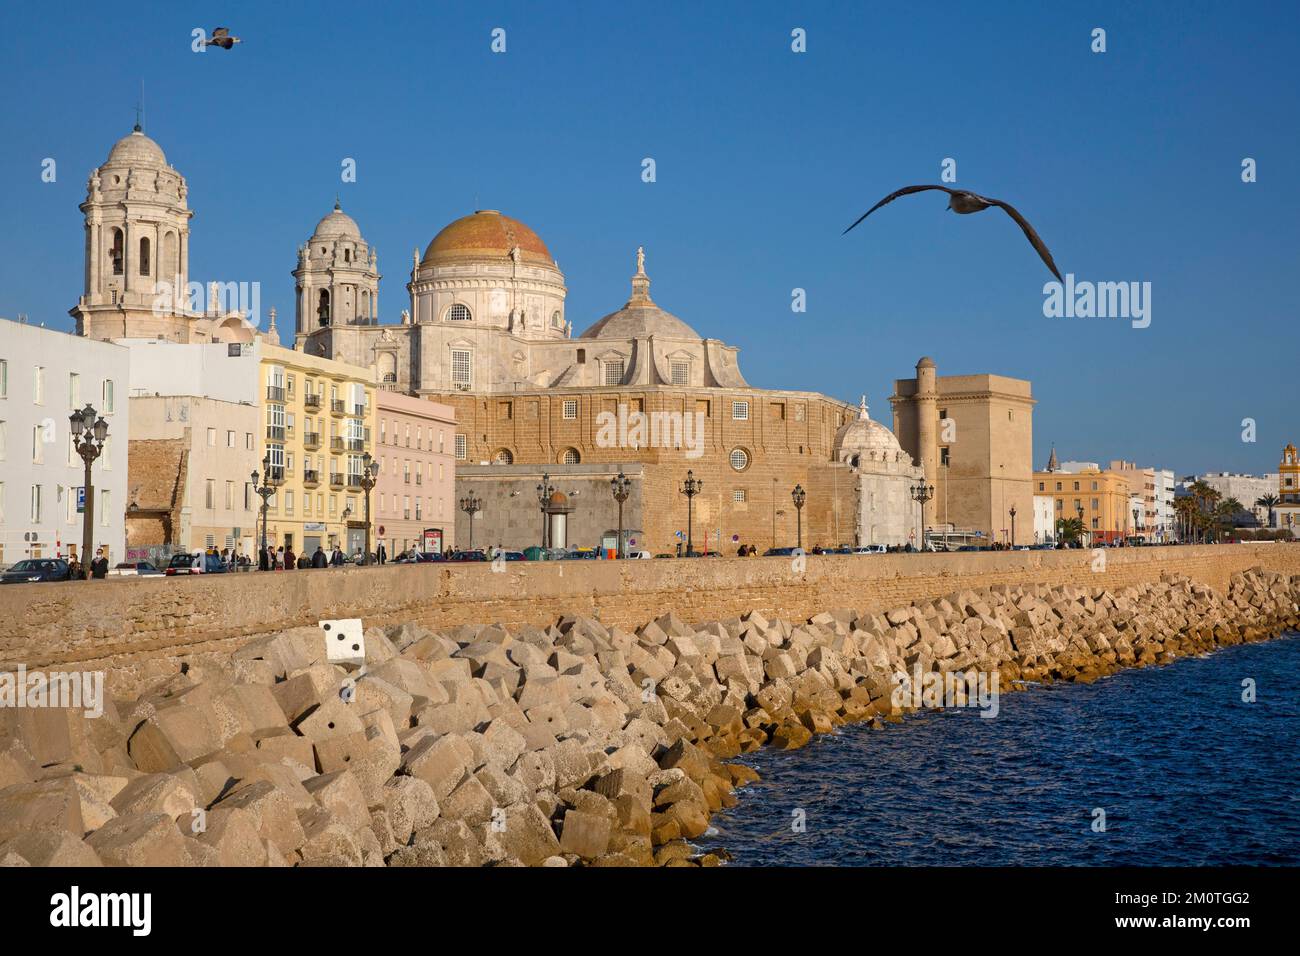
x=414 y=497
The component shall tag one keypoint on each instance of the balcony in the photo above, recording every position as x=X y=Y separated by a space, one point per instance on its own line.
x=336 y=479
x=360 y=444
x=275 y=433
x=311 y=477
x=358 y=411
x=312 y=401
x=419 y=477
x=311 y=440
x=338 y=406
x=336 y=443
x=406 y=478
x=275 y=393
x=354 y=482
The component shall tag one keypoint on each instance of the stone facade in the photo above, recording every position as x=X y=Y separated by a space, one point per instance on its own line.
x=973 y=437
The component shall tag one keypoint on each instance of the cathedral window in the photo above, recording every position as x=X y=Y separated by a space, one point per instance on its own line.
x=323 y=307
x=460 y=448
x=681 y=372
x=739 y=459
x=144 y=256
x=943 y=456
x=614 y=372
x=503 y=457
x=570 y=457
x=738 y=495
x=461 y=367
x=570 y=408
x=740 y=411
x=459 y=313
x=556 y=320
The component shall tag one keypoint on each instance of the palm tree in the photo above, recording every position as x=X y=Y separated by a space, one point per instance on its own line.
x=1226 y=514
x=1268 y=501
x=1187 y=509
x=1069 y=530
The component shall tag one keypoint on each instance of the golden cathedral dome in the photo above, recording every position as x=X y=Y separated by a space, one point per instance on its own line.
x=487 y=234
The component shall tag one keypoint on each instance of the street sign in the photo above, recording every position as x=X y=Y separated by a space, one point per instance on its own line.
x=678 y=535
x=81 y=499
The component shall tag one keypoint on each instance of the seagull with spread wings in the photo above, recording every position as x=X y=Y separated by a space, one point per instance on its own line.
x=963 y=202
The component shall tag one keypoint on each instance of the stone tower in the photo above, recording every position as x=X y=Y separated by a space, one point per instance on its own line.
x=337 y=277
x=137 y=245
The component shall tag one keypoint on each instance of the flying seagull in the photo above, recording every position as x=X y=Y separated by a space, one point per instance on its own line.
x=961 y=201
x=221 y=37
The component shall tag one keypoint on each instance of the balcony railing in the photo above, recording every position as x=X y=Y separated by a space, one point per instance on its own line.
x=419 y=477
x=338 y=406
x=354 y=481
x=406 y=478
x=312 y=401
x=358 y=444
x=311 y=439
x=336 y=479
x=275 y=432
x=311 y=477
x=336 y=443
x=275 y=393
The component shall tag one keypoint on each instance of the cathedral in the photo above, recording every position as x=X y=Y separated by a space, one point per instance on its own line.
x=485 y=330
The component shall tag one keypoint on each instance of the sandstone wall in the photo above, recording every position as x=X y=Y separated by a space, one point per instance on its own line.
x=118 y=622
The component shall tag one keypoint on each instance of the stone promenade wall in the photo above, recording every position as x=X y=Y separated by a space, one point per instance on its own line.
x=121 y=623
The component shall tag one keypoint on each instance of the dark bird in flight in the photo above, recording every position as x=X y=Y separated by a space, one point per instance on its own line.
x=961 y=201
x=221 y=37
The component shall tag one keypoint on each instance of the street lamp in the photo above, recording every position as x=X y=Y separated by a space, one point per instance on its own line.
x=471 y=504
x=921 y=493
x=621 y=487
x=544 y=492
x=691 y=487
x=1135 y=522
x=1079 y=508
x=369 y=474
x=1012 y=512
x=265 y=491
x=799 y=496
x=89 y=432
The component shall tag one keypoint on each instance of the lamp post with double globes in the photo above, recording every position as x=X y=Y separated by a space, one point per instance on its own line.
x=621 y=486
x=544 y=491
x=369 y=474
x=471 y=504
x=89 y=432
x=265 y=491
x=1012 y=513
x=798 y=496
x=691 y=487
x=921 y=493
x=1079 y=508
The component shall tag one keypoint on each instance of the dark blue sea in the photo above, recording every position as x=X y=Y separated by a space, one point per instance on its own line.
x=1187 y=774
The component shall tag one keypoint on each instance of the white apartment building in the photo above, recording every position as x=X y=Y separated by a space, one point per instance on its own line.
x=1044 y=519
x=1245 y=488
x=44 y=376
x=1166 y=519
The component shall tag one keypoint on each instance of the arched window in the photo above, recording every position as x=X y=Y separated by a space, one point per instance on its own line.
x=459 y=313
x=504 y=457
x=323 y=307
x=365 y=304
x=115 y=252
x=570 y=457
x=347 y=255
x=739 y=459
x=556 y=320
x=144 y=255
x=387 y=367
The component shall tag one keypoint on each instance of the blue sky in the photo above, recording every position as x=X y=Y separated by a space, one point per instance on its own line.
x=1127 y=162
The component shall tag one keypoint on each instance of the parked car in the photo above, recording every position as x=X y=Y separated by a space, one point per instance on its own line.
x=778 y=552
x=461 y=556
x=209 y=563
x=37 y=569
x=141 y=569
x=639 y=555
x=536 y=553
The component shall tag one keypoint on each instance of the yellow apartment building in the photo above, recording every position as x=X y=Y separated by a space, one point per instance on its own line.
x=319 y=418
x=1103 y=496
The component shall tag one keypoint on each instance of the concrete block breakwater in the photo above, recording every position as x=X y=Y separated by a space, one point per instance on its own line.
x=575 y=744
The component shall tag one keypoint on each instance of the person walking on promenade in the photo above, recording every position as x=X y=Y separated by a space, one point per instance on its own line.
x=99 y=567
x=382 y=553
x=337 y=560
x=318 y=560
x=290 y=560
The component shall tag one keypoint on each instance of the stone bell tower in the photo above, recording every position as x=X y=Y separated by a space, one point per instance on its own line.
x=137 y=246
x=337 y=278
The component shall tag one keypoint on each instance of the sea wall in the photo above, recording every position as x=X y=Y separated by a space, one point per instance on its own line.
x=578 y=744
x=145 y=623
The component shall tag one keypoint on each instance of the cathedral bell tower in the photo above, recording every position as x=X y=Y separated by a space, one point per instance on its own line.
x=337 y=278
x=137 y=245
